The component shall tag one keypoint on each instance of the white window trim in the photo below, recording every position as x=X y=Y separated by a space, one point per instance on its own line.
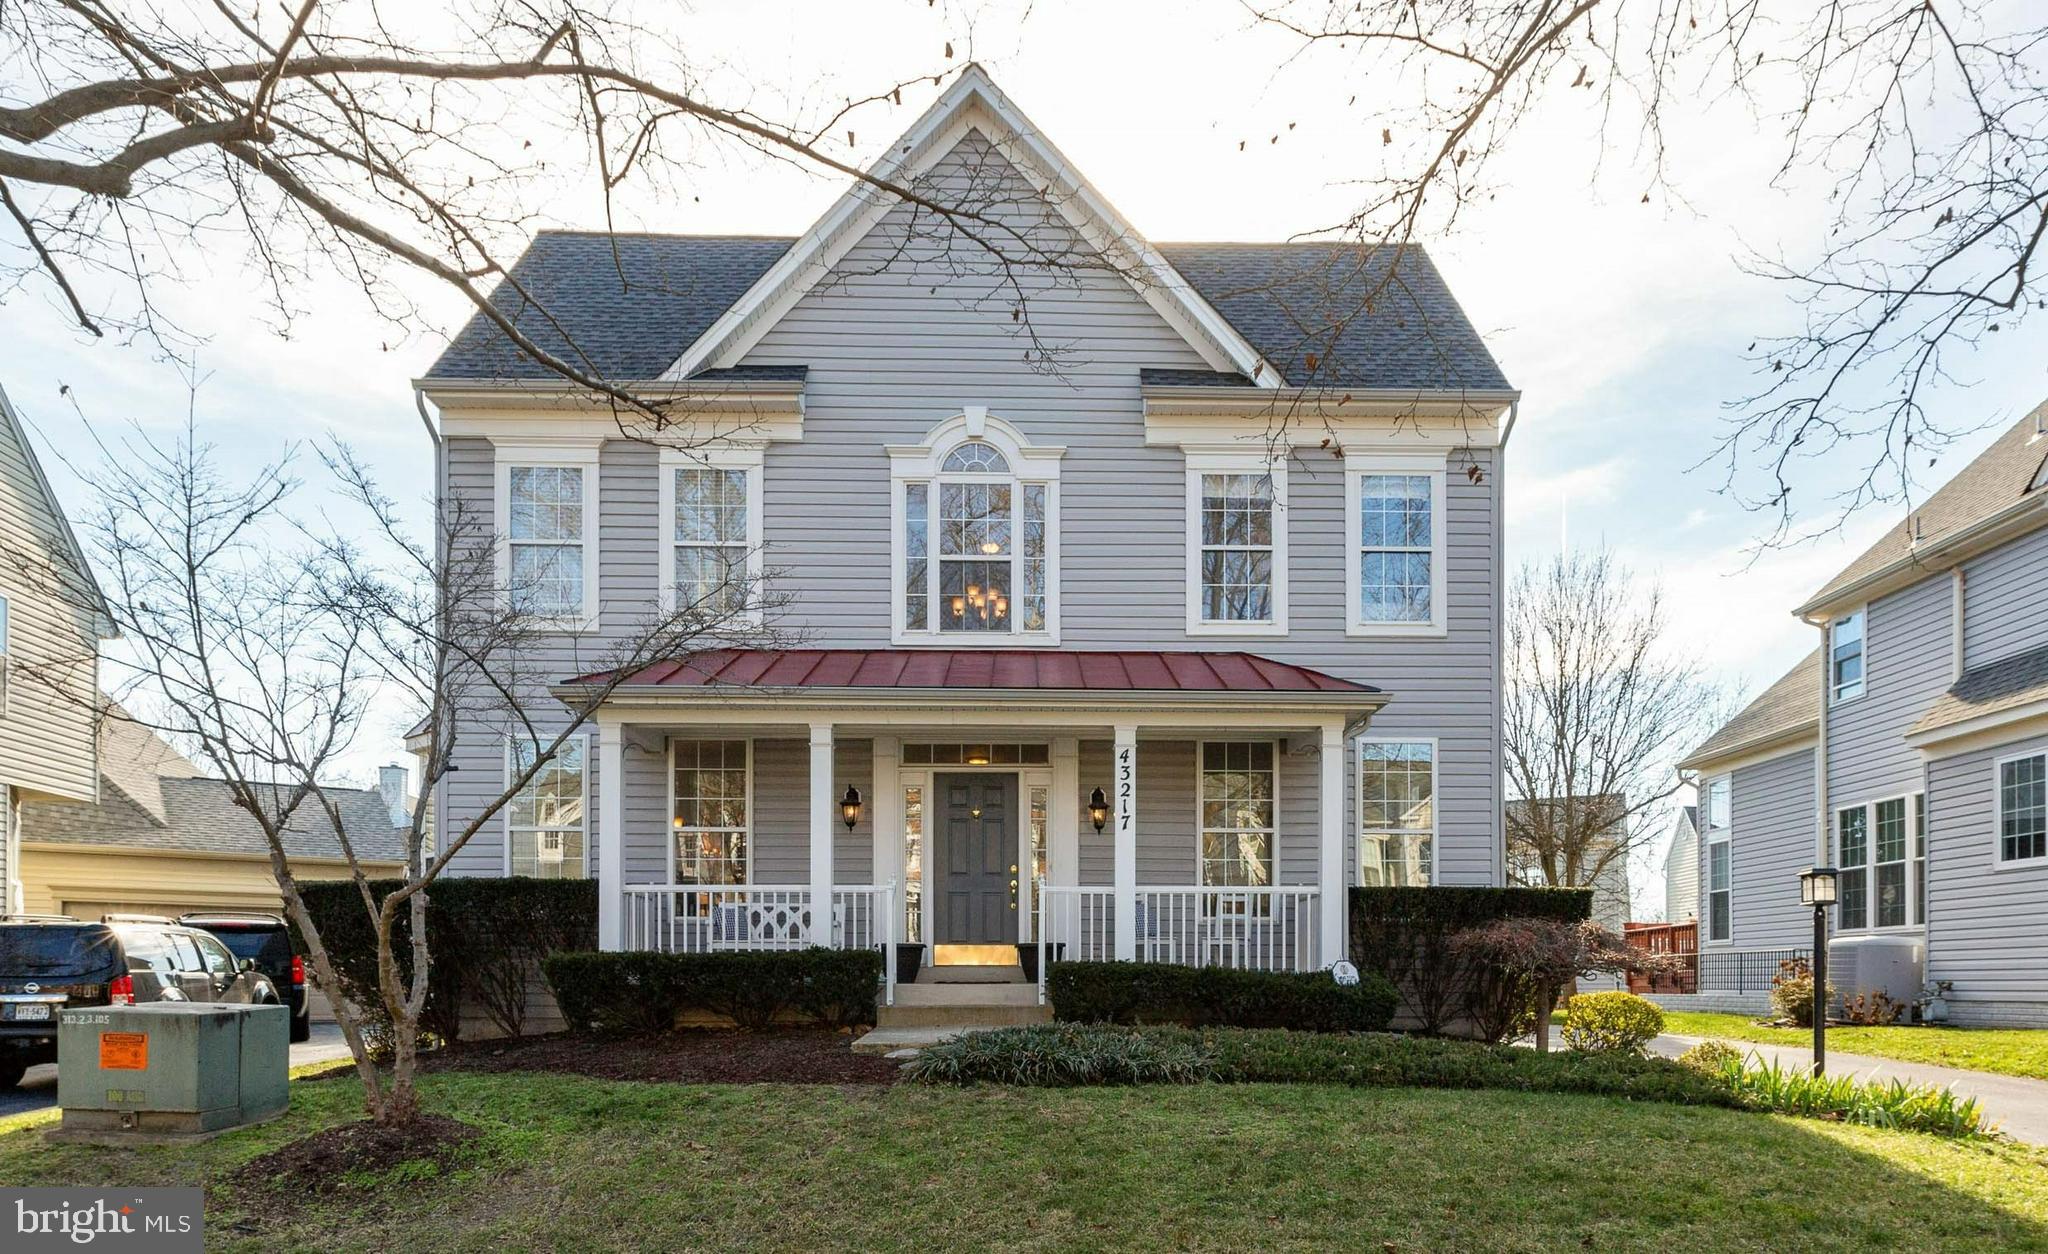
x=1029 y=464
x=749 y=458
x=1437 y=468
x=1707 y=803
x=1726 y=839
x=1870 y=864
x=668 y=818
x=505 y=828
x=1862 y=616
x=1998 y=861
x=1273 y=841
x=1236 y=463
x=6 y=681
x=579 y=452
x=1436 y=779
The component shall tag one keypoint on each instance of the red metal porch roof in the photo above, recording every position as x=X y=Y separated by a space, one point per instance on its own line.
x=1010 y=669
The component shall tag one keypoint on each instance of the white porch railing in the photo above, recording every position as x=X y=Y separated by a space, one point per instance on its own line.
x=1256 y=929
x=696 y=918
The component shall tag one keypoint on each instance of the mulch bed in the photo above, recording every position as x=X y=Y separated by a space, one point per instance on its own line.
x=321 y=1163
x=689 y=1056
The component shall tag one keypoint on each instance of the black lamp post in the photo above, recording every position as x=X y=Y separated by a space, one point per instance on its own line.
x=1817 y=889
x=1098 y=809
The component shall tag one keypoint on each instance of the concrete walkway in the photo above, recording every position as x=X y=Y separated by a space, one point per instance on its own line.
x=2017 y=1107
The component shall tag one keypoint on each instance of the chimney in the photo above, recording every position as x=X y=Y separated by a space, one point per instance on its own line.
x=391 y=785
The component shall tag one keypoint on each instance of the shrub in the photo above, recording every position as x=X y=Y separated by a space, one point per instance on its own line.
x=1061 y=1055
x=1405 y=934
x=1147 y=992
x=644 y=992
x=1711 y=1056
x=1068 y=1054
x=1611 y=1022
x=485 y=937
x=1792 y=992
x=1871 y=1010
x=1891 y=1104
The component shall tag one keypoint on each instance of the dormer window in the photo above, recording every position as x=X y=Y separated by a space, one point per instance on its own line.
x=976 y=529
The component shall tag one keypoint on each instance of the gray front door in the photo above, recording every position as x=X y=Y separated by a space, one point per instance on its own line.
x=977 y=857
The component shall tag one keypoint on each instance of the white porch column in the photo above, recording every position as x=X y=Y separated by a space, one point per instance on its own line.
x=1124 y=811
x=611 y=835
x=885 y=803
x=824 y=809
x=1063 y=851
x=1330 y=882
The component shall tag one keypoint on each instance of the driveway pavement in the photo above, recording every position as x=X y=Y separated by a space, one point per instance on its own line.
x=2017 y=1107
x=38 y=1088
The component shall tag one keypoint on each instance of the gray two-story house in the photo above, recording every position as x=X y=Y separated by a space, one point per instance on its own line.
x=1164 y=578
x=1910 y=750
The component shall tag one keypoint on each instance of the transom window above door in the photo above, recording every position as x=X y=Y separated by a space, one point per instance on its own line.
x=976 y=527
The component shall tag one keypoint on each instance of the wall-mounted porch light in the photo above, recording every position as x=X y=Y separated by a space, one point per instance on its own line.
x=1098 y=809
x=849 y=806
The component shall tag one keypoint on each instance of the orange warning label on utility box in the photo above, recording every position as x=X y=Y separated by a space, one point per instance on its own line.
x=124 y=1051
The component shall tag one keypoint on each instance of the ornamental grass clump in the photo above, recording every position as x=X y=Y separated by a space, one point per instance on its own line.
x=1062 y=1055
x=1891 y=1104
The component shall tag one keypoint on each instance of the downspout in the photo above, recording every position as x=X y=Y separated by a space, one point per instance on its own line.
x=1820 y=756
x=1955 y=627
x=1500 y=681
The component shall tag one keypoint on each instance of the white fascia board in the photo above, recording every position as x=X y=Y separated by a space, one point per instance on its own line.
x=1762 y=749
x=2021 y=517
x=973 y=99
x=2015 y=723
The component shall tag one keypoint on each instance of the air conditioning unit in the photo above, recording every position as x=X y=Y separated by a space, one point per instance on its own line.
x=1892 y=965
x=169 y=1071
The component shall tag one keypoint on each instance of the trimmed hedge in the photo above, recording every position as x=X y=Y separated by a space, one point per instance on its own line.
x=644 y=992
x=1155 y=992
x=1404 y=934
x=1066 y=1054
x=485 y=937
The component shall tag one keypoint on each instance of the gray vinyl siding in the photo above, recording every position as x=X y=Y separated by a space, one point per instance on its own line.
x=47 y=741
x=900 y=338
x=2005 y=601
x=1771 y=842
x=1984 y=922
x=1682 y=875
x=1907 y=664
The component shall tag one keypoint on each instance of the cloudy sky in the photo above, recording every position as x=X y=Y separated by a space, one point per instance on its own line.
x=1623 y=322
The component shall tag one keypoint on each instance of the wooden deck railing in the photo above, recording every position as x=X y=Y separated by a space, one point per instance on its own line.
x=1681 y=939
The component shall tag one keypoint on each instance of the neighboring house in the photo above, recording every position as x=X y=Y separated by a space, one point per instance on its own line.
x=1931 y=794
x=1212 y=533
x=162 y=839
x=1609 y=883
x=1682 y=868
x=51 y=622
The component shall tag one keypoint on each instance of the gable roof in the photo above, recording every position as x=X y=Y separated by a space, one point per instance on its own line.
x=153 y=797
x=1784 y=709
x=641 y=307
x=66 y=536
x=2006 y=684
x=2006 y=476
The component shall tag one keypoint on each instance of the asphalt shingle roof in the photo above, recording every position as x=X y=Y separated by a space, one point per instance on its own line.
x=2002 y=685
x=152 y=797
x=1780 y=709
x=630 y=314
x=2000 y=476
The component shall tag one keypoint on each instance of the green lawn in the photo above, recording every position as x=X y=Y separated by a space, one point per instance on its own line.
x=2008 y=1051
x=575 y=1163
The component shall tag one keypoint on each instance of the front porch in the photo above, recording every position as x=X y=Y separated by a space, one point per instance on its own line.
x=1156 y=825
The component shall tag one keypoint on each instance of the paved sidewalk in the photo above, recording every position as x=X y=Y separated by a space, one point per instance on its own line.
x=2017 y=1107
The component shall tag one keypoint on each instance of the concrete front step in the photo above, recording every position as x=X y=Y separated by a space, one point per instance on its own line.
x=903 y=1042
x=966 y=994
x=1012 y=974
x=967 y=1016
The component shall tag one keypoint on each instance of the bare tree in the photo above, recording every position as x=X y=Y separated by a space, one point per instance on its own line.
x=1923 y=122
x=367 y=140
x=258 y=633
x=1599 y=708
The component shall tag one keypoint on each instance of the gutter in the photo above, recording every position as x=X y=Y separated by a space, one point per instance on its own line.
x=1920 y=557
x=1786 y=737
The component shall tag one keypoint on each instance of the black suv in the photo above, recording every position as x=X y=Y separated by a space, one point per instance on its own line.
x=49 y=964
x=267 y=939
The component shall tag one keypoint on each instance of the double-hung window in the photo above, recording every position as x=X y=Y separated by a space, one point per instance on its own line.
x=1881 y=858
x=1396 y=812
x=545 y=820
x=2023 y=808
x=977 y=527
x=547 y=516
x=1237 y=546
x=1720 y=859
x=709 y=791
x=711 y=511
x=1394 y=575
x=1237 y=813
x=1845 y=657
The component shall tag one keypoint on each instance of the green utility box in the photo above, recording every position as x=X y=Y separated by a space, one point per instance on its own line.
x=170 y=1071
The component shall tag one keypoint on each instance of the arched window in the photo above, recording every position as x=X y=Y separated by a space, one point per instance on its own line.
x=976 y=520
